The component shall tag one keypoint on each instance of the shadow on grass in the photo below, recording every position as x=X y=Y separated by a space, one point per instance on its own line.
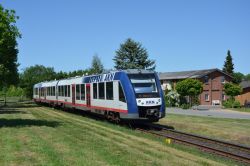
x=18 y=105
x=27 y=123
x=12 y=111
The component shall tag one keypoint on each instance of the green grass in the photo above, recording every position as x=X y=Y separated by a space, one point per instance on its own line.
x=43 y=136
x=233 y=130
x=243 y=109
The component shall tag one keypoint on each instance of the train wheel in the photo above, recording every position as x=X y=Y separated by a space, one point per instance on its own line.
x=113 y=116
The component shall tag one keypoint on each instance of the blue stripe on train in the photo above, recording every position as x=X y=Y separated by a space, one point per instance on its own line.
x=128 y=91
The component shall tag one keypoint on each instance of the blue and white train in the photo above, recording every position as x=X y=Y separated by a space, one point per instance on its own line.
x=128 y=94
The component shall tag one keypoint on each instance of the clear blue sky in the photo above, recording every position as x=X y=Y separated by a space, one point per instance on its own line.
x=178 y=34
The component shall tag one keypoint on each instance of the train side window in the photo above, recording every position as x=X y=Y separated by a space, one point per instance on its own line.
x=101 y=90
x=82 y=91
x=54 y=89
x=109 y=91
x=69 y=91
x=60 y=91
x=77 y=92
x=95 y=90
x=121 y=94
x=65 y=91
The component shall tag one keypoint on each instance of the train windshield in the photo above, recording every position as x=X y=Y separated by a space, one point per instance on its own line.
x=143 y=83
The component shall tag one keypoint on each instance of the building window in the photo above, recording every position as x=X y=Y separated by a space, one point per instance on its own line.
x=77 y=92
x=206 y=97
x=95 y=90
x=109 y=91
x=82 y=91
x=206 y=79
x=101 y=90
x=223 y=97
x=121 y=94
x=222 y=79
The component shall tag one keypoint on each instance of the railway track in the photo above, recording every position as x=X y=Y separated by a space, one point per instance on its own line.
x=237 y=152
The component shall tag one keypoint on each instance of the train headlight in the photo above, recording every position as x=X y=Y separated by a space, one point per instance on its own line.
x=159 y=100
x=139 y=101
x=142 y=103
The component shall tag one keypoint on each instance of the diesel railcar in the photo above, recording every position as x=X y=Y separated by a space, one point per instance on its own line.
x=127 y=94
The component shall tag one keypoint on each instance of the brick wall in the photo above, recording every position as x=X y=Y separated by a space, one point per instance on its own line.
x=213 y=88
x=245 y=96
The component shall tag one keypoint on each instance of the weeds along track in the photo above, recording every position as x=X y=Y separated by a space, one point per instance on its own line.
x=230 y=150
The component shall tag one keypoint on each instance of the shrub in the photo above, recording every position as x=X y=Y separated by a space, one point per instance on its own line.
x=236 y=104
x=231 y=103
x=172 y=99
x=185 y=106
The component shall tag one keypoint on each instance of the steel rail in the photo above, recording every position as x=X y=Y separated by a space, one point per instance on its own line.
x=234 y=151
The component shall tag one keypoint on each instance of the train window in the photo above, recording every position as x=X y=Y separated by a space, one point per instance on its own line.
x=59 y=88
x=77 y=92
x=65 y=91
x=69 y=91
x=121 y=94
x=82 y=91
x=109 y=91
x=95 y=90
x=101 y=90
x=53 y=91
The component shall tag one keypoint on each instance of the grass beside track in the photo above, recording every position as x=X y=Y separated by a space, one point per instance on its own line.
x=32 y=135
x=233 y=130
x=242 y=109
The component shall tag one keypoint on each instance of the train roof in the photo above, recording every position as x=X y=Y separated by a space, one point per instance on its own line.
x=78 y=79
x=136 y=71
x=68 y=81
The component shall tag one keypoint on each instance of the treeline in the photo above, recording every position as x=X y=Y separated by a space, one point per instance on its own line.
x=40 y=73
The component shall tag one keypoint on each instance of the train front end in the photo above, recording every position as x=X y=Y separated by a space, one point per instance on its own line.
x=149 y=98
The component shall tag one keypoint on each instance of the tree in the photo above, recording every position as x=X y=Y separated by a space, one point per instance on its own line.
x=8 y=48
x=228 y=64
x=131 y=55
x=96 y=66
x=247 y=77
x=238 y=77
x=61 y=75
x=33 y=75
x=189 y=87
x=232 y=90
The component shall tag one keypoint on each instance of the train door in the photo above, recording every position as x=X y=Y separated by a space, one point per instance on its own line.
x=73 y=93
x=88 y=95
x=39 y=93
x=45 y=93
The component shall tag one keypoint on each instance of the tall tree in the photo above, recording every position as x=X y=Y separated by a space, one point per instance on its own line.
x=228 y=64
x=33 y=75
x=96 y=66
x=8 y=47
x=238 y=77
x=131 y=55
